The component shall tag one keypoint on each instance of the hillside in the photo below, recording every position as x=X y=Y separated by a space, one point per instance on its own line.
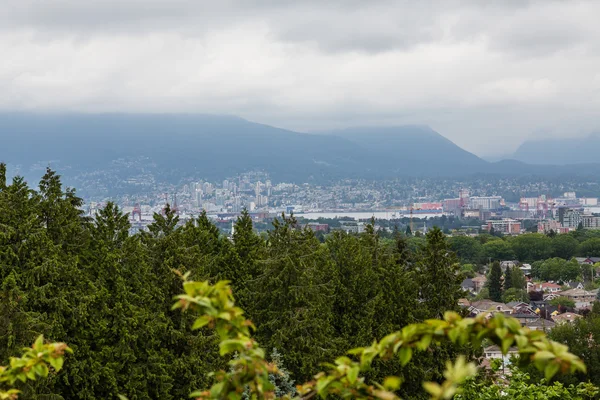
x=215 y=147
x=171 y=147
x=413 y=150
x=560 y=151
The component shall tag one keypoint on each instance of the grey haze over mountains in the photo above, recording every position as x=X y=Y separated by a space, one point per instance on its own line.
x=484 y=73
x=176 y=146
x=560 y=151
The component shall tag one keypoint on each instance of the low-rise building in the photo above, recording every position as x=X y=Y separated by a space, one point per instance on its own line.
x=581 y=297
x=567 y=317
x=506 y=225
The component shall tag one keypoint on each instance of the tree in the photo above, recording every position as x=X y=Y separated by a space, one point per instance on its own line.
x=532 y=247
x=563 y=302
x=281 y=380
x=468 y=249
x=557 y=269
x=564 y=246
x=494 y=282
x=507 y=279
x=589 y=248
x=293 y=297
x=497 y=250
x=514 y=294
x=408 y=231
x=438 y=276
x=518 y=278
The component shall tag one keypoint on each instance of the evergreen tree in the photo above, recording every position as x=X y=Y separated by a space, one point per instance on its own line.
x=293 y=298
x=408 y=231
x=508 y=278
x=494 y=282
x=438 y=275
x=518 y=279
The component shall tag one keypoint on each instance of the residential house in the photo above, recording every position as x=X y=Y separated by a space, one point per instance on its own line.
x=540 y=324
x=587 y=260
x=567 y=317
x=489 y=306
x=575 y=285
x=581 y=297
x=547 y=287
x=525 y=268
x=468 y=286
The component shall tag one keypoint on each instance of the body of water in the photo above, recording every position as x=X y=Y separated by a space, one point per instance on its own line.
x=364 y=215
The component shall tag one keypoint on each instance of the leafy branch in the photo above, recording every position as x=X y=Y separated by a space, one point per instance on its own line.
x=34 y=363
x=216 y=306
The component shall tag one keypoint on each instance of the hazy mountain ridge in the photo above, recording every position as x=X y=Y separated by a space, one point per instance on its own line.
x=559 y=151
x=216 y=147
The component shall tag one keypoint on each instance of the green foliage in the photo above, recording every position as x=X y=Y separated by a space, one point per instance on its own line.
x=589 y=248
x=518 y=279
x=497 y=250
x=35 y=362
x=531 y=247
x=507 y=279
x=564 y=246
x=514 y=294
x=520 y=387
x=562 y=301
x=216 y=308
x=468 y=249
x=582 y=336
x=494 y=282
x=559 y=270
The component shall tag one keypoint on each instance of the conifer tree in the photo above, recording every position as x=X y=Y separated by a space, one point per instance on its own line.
x=495 y=282
x=438 y=275
x=508 y=278
x=293 y=298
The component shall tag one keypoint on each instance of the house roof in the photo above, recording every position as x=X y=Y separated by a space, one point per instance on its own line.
x=467 y=283
x=576 y=292
x=514 y=304
x=480 y=279
x=550 y=285
x=574 y=284
x=488 y=305
x=540 y=322
x=566 y=317
x=496 y=349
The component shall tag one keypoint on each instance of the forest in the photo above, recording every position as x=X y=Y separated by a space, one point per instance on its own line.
x=109 y=296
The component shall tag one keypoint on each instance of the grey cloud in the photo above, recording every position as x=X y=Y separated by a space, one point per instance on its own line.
x=471 y=69
x=339 y=25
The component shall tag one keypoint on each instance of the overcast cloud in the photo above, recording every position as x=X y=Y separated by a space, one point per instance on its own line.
x=486 y=74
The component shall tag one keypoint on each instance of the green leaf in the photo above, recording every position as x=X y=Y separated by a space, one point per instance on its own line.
x=352 y=373
x=392 y=383
x=551 y=370
x=201 y=321
x=405 y=354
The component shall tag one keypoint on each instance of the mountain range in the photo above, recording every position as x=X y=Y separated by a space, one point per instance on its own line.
x=560 y=151
x=216 y=147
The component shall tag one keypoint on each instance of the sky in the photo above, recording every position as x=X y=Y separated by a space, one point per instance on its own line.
x=486 y=74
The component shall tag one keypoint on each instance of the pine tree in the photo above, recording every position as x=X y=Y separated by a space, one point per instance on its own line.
x=284 y=384
x=494 y=282
x=508 y=278
x=438 y=274
x=408 y=231
x=2 y=176
x=250 y=251
x=293 y=298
